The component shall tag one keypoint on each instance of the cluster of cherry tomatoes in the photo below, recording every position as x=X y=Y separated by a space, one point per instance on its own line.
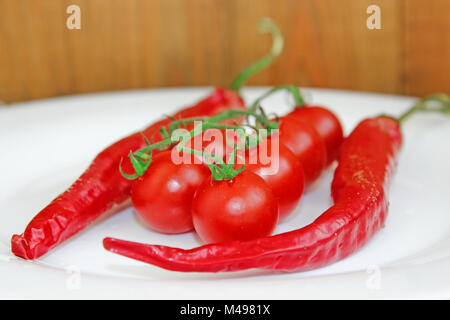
x=179 y=197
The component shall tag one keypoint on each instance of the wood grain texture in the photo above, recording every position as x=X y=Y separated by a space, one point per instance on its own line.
x=126 y=44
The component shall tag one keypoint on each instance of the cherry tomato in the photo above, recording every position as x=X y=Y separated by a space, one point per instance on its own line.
x=282 y=171
x=242 y=208
x=326 y=124
x=306 y=144
x=162 y=197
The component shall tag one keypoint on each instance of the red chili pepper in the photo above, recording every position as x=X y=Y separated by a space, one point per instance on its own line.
x=359 y=190
x=101 y=186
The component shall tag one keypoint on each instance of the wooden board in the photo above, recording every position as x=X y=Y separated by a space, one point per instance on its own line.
x=126 y=44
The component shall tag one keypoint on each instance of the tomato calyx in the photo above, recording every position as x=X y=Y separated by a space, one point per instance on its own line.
x=140 y=163
x=227 y=171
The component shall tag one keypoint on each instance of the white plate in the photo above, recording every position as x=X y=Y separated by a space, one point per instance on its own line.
x=46 y=144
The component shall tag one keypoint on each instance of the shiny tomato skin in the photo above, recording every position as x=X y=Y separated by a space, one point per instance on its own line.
x=162 y=197
x=306 y=144
x=242 y=208
x=287 y=181
x=326 y=124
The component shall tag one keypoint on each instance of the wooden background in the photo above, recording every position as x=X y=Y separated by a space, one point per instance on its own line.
x=152 y=43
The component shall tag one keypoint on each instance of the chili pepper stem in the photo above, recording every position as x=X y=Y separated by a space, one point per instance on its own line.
x=442 y=105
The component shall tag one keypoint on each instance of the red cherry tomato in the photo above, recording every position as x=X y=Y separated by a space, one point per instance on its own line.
x=306 y=144
x=326 y=124
x=242 y=208
x=162 y=197
x=282 y=171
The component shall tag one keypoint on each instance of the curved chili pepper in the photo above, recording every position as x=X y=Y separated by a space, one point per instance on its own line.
x=359 y=189
x=101 y=186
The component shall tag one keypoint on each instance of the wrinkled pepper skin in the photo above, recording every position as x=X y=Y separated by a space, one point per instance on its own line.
x=101 y=186
x=359 y=190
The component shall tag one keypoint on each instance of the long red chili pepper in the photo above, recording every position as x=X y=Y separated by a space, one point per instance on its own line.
x=359 y=189
x=101 y=186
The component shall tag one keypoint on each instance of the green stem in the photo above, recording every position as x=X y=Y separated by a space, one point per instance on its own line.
x=226 y=115
x=441 y=104
x=141 y=158
x=177 y=123
x=265 y=25
x=219 y=170
x=154 y=146
x=195 y=132
x=290 y=88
